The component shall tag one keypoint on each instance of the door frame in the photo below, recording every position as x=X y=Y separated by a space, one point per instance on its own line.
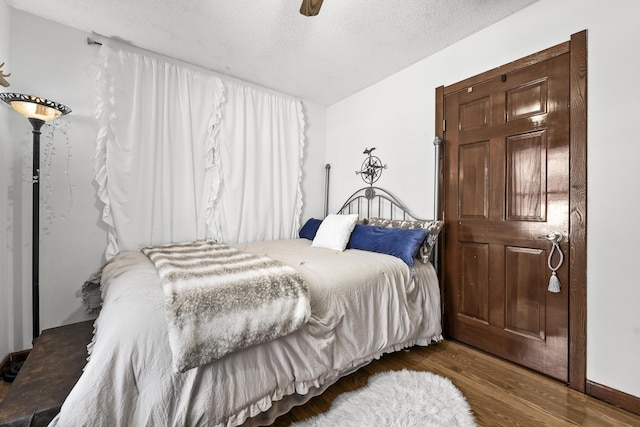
x=577 y=49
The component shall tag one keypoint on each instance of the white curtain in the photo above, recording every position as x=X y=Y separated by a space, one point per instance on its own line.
x=261 y=146
x=154 y=158
x=183 y=154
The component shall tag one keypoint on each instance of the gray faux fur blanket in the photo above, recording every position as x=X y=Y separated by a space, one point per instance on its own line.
x=219 y=299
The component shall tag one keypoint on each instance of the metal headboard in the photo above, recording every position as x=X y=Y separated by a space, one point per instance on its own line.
x=366 y=196
x=376 y=202
x=370 y=202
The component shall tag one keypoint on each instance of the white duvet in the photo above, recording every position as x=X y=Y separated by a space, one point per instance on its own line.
x=363 y=305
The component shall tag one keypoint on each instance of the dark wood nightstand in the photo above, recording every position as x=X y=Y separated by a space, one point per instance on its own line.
x=47 y=376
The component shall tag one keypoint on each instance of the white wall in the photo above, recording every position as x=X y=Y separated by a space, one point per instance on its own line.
x=6 y=330
x=397 y=117
x=54 y=61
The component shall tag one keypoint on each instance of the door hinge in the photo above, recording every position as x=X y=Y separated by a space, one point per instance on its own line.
x=444 y=125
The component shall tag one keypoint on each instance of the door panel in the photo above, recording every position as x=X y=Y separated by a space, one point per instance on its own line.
x=474 y=181
x=526 y=176
x=525 y=312
x=506 y=185
x=527 y=100
x=475 y=281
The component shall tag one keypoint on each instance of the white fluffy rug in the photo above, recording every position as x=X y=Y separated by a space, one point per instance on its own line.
x=398 y=399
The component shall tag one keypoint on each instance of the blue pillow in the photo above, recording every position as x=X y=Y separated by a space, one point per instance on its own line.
x=310 y=228
x=399 y=242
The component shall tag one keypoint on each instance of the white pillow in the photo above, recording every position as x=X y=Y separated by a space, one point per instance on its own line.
x=334 y=232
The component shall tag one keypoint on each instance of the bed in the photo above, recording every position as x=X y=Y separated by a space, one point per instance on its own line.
x=363 y=303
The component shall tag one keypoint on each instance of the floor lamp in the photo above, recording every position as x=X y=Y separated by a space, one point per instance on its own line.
x=37 y=111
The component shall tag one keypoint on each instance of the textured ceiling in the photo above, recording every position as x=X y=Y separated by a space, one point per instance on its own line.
x=350 y=45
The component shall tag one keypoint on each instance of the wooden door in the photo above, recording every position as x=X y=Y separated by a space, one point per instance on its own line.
x=507 y=185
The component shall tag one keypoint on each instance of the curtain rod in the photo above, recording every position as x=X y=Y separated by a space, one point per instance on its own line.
x=171 y=60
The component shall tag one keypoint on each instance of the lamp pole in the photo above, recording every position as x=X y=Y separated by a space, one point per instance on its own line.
x=35 y=228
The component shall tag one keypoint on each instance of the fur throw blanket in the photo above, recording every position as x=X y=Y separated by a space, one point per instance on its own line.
x=219 y=299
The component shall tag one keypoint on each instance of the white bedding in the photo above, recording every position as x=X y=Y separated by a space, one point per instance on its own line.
x=363 y=304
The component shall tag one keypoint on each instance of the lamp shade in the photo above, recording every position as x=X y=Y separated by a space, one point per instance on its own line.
x=34 y=107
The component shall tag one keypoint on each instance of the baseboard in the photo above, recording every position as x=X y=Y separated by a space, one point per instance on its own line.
x=614 y=397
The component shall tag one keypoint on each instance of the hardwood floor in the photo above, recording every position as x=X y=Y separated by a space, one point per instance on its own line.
x=499 y=392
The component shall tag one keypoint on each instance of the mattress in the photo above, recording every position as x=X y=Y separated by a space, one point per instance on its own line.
x=363 y=304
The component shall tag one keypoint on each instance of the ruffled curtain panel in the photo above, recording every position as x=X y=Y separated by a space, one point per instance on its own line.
x=261 y=138
x=184 y=154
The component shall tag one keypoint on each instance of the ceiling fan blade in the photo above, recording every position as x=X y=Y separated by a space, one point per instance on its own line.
x=310 y=7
